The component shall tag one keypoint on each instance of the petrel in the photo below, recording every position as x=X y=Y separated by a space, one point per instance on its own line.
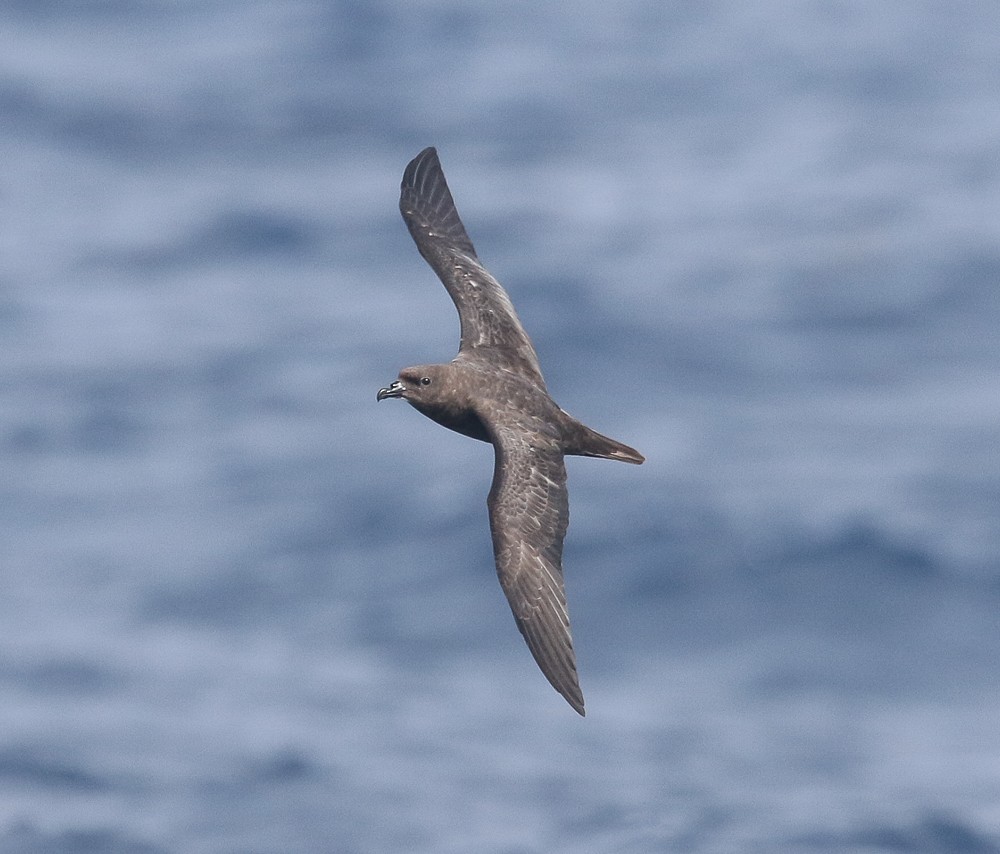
x=493 y=391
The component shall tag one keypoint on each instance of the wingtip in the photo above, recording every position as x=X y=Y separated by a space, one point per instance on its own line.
x=573 y=695
x=427 y=154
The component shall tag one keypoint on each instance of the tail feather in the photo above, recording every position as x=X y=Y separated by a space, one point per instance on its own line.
x=590 y=443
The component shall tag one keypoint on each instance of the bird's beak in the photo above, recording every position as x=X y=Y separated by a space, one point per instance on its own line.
x=394 y=390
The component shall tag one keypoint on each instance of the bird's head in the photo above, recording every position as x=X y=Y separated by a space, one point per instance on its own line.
x=421 y=384
x=441 y=393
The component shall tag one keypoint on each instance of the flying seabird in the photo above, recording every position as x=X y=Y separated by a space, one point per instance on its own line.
x=493 y=391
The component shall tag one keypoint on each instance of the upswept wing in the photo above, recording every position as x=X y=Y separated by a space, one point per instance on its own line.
x=487 y=316
x=529 y=514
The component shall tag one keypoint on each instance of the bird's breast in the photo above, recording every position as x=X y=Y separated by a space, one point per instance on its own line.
x=463 y=421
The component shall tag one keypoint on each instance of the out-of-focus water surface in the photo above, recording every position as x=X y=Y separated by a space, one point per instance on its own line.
x=245 y=610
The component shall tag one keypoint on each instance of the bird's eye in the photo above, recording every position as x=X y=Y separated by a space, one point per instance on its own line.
x=425 y=381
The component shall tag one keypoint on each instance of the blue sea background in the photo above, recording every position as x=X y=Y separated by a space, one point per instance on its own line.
x=246 y=610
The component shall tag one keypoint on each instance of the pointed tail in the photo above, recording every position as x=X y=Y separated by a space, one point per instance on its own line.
x=590 y=443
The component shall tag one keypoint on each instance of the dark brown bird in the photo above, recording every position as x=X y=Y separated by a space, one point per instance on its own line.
x=493 y=391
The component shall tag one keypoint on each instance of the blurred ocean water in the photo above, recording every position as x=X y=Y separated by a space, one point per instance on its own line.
x=243 y=609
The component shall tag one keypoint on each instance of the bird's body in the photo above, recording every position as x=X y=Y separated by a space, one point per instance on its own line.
x=494 y=391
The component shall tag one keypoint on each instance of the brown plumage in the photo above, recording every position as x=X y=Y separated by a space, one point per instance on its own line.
x=493 y=391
